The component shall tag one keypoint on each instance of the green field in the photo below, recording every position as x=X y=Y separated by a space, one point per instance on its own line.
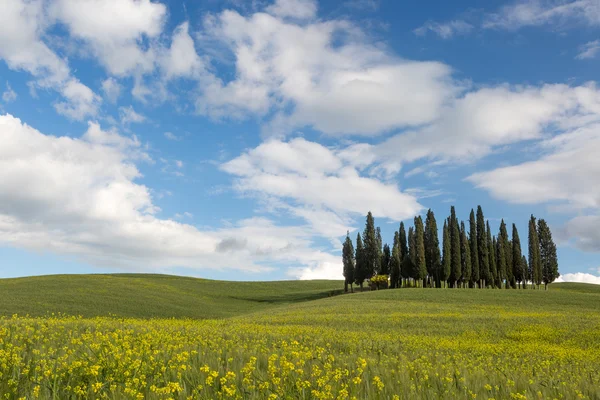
x=281 y=340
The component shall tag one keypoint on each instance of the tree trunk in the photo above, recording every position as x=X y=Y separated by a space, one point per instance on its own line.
x=361 y=287
x=351 y=288
x=345 y=286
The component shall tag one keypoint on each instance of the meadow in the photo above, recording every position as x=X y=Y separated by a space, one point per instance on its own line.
x=388 y=344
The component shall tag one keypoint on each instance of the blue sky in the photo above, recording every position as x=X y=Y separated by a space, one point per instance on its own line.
x=241 y=140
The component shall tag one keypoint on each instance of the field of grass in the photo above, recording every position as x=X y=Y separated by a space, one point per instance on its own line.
x=151 y=296
x=404 y=343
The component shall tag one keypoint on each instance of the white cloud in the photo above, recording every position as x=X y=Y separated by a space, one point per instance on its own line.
x=172 y=136
x=179 y=163
x=300 y=9
x=9 y=94
x=112 y=89
x=589 y=50
x=329 y=74
x=181 y=59
x=445 y=30
x=128 y=115
x=21 y=46
x=79 y=197
x=543 y=12
x=581 y=277
x=114 y=29
x=313 y=182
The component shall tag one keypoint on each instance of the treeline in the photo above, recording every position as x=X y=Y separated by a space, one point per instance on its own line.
x=473 y=258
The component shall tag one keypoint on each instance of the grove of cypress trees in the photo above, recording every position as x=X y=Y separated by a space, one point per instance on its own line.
x=535 y=265
x=372 y=250
x=548 y=258
x=446 y=255
x=484 y=262
x=420 y=265
x=432 y=248
x=517 y=262
x=455 y=259
x=491 y=256
x=474 y=250
x=360 y=269
x=348 y=259
x=465 y=253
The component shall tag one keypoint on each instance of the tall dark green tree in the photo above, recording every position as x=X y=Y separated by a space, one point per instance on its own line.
x=504 y=267
x=348 y=260
x=361 y=266
x=412 y=252
x=395 y=266
x=548 y=257
x=524 y=268
x=465 y=253
x=385 y=260
x=420 y=263
x=446 y=255
x=455 y=259
x=371 y=247
x=432 y=248
x=379 y=266
x=501 y=259
x=484 y=262
x=474 y=250
x=491 y=256
x=494 y=251
x=535 y=264
x=517 y=262
x=395 y=263
x=405 y=268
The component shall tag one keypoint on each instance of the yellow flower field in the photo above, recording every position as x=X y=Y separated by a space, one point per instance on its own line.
x=394 y=344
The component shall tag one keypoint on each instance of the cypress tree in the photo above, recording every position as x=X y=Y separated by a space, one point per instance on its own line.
x=404 y=272
x=548 y=257
x=420 y=264
x=395 y=262
x=446 y=255
x=494 y=250
x=360 y=269
x=432 y=248
x=455 y=259
x=524 y=268
x=491 y=256
x=474 y=250
x=412 y=247
x=507 y=268
x=348 y=260
x=371 y=247
x=501 y=257
x=517 y=262
x=379 y=266
x=385 y=260
x=465 y=253
x=535 y=265
x=484 y=262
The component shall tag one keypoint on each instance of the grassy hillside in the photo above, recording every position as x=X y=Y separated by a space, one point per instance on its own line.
x=389 y=344
x=151 y=296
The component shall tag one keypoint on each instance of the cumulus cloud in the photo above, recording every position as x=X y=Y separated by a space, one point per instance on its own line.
x=128 y=115
x=79 y=197
x=329 y=74
x=581 y=277
x=313 y=182
x=21 y=46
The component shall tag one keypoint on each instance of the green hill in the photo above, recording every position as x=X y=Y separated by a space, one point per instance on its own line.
x=151 y=296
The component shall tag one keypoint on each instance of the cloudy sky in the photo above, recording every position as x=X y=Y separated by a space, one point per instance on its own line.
x=242 y=139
